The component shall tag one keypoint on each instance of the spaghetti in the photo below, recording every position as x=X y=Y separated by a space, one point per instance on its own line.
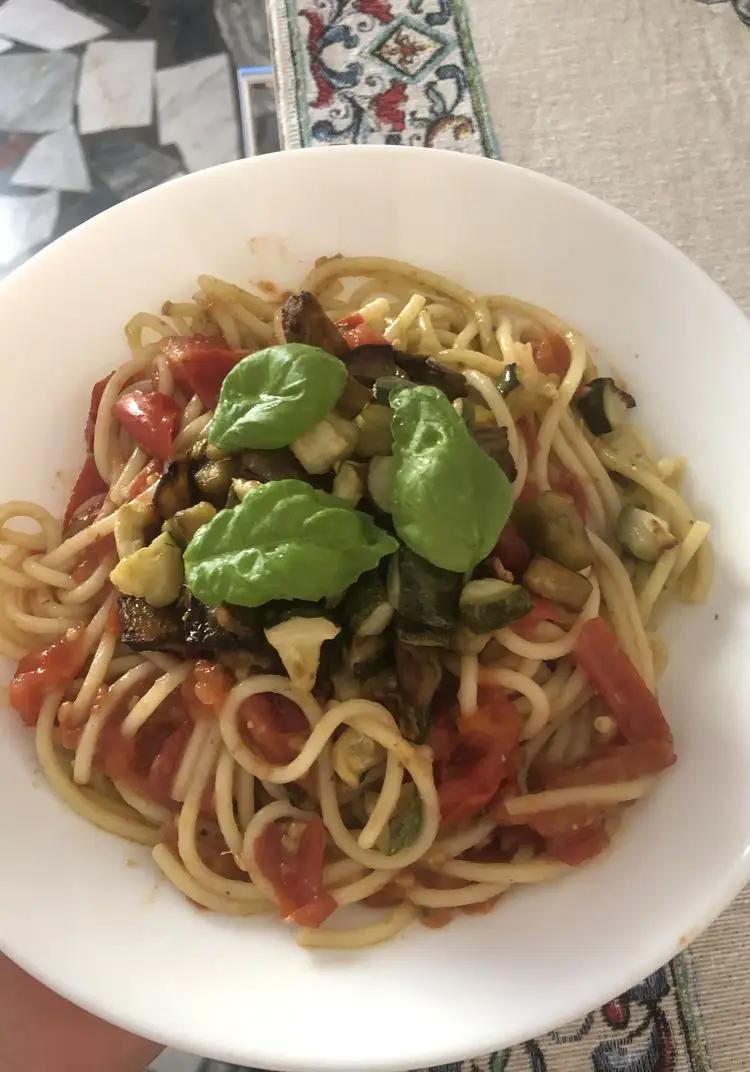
x=417 y=746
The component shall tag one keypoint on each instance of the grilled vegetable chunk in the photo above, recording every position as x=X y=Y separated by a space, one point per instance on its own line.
x=147 y=628
x=304 y=320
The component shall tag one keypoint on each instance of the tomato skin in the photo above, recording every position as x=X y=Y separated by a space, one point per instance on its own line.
x=351 y=320
x=212 y=683
x=483 y=759
x=363 y=335
x=41 y=672
x=296 y=874
x=629 y=700
x=551 y=355
x=151 y=418
x=614 y=763
x=544 y=610
x=88 y=484
x=273 y=726
x=577 y=846
x=96 y=396
x=200 y=363
x=148 y=475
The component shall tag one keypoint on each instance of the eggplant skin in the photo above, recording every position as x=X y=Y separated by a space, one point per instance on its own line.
x=304 y=320
x=175 y=489
x=147 y=628
x=187 y=627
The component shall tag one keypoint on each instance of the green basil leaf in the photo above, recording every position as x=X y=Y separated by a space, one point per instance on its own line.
x=450 y=500
x=286 y=540
x=270 y=398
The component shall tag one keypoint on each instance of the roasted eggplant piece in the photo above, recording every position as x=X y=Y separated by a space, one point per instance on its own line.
x=494 y=441
x=365 y=609
x=374 y=361
x=428 y=371
x=268 y=465
x=353 y=398
x=557 y=583
x=183 y=525
x=603 y=405
x=147 y=628
x=552 y=526
x=304 y=320
x=419 y=673
x=224 y=629
x=175 y=489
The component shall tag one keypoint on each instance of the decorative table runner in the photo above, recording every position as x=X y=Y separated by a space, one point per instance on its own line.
x=646 y=105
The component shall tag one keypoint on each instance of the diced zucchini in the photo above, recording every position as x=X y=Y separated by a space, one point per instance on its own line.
x=366 y=610
x=421 y=592
x=552 y=527
x=353 y=398
x=298 y=642
x=508 y=380
x=467 y=642
x=183 y=525
x=349 y=482
x=644 y=534
x=381 y=389
x=423 y=636
x=242 y=487
x=353 y=755
x=214 y=479
x=374 y=431
x=603 y=405
x=154 y=572
x=489 y=604
x=131 y=522
x=552 y=581
x=328 y=442
x=380 y=480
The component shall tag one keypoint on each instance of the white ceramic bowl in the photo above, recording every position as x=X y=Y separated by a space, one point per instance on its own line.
x=73 y=909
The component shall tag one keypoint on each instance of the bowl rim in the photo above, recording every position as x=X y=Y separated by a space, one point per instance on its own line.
x=660 y=948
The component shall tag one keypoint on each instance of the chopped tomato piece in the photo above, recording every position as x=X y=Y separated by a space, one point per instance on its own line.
x=484 y=758
x=543 y=611
x=41 y=672
x=149 y=760
x=151 y=418
x=212 y=683
x=96 y=396
x=200 y=363
x=614 y=763
x=292 y=861
x=628 y=698
x=275 y=726
x=148 y=474
x=88 y=484
x=352 y=320
x=363 y=335
x=512 y=550
x=576 y=846
x=552 y=355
